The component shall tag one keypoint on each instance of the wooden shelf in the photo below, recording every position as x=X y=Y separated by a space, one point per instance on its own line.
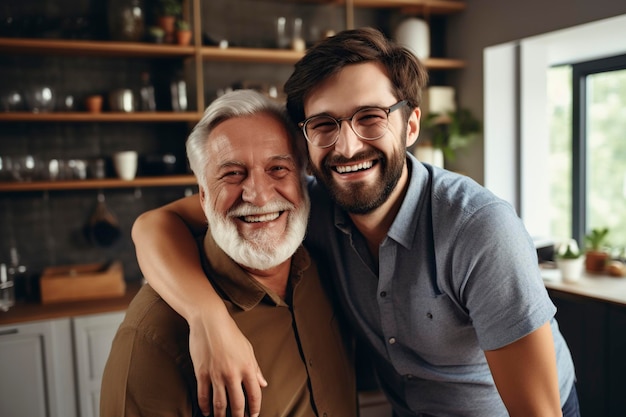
x=439 y=7
x=123 y=49
x=254 y=55
x=93 y=48
x=152 y=117
x=161 y=181
x=434 y=64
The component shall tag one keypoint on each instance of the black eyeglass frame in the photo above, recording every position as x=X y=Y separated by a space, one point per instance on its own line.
x=387 y=110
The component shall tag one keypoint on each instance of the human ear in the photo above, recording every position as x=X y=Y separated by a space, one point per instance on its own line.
x=202 y=194
x=413 y=126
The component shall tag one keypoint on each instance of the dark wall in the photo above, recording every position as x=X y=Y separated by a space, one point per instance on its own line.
x=47 y=228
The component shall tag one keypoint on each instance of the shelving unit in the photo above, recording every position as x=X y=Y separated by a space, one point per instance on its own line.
x=161 y=181
x=149 y=117
x=194 y=56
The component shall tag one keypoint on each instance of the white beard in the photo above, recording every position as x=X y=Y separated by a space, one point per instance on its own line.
x=259 y=250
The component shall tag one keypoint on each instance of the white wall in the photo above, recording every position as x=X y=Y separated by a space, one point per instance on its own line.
x=589 y=41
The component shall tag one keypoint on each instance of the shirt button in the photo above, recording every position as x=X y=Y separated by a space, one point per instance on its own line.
x=383 y=294
x=310 y=362
x=429 y=315
x=408 y=377
x=392 y=340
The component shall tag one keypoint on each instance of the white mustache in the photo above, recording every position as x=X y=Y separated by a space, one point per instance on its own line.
x=247 y=209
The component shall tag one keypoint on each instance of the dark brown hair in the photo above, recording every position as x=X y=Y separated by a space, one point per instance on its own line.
x=407 y=74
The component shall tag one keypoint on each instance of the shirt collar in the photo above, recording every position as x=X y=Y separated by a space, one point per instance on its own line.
x=235 y=284
x=404 y=227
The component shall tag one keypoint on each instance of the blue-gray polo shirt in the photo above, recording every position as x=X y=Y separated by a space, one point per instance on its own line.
x=457 y=275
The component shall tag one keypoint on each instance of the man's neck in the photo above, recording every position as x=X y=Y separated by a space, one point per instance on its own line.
x=375 y=225
x=275 y=278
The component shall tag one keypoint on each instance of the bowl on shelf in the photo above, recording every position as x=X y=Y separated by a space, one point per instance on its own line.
x=40 y=99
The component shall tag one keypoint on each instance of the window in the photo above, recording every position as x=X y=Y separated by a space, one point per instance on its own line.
x=587 y=122
x=541 y=164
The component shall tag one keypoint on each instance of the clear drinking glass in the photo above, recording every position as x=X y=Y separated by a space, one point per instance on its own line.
x=7 y=289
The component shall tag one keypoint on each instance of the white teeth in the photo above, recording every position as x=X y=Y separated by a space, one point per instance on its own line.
x=351 y=168
x=262 y=218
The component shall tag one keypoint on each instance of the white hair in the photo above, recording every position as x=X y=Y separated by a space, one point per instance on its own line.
x=237 y=103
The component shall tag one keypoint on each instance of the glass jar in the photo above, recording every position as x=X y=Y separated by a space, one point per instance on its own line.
x=126 y=20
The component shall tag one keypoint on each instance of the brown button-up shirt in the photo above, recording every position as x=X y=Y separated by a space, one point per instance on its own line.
x=299 y=346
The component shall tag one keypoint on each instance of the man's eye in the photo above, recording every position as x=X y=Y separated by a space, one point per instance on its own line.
x=279 y=170
x=323 y=124
x=232 y=175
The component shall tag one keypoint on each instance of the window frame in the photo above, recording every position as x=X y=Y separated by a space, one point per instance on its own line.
x=580 y=71
x=516 y=132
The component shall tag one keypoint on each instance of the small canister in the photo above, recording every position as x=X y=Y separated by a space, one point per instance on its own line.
x=7 y=290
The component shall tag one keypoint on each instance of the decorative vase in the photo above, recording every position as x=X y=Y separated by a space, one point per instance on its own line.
x=168 y=24
x=183 y=37
x=414 y=34
x=126 y=20
x=571 y=269
x=596 y=261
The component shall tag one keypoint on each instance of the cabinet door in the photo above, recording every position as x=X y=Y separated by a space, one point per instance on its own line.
x=583 y=323
x=36 y=370
x=617 y=361
x=93 y=336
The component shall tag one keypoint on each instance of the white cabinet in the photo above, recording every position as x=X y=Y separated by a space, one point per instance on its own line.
x=53 y=368
x=36 y=370
x=93 y=336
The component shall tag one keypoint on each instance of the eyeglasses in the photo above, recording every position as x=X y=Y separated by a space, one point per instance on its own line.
x=370 y=123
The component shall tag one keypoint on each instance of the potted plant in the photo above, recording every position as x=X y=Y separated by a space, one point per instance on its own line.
x=156 y=34
x=570 y=261
x=597 y=253
x=450 y=132
x=167 y=11
x=183 y=32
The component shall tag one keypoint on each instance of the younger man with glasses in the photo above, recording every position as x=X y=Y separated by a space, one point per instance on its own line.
x=435 y=273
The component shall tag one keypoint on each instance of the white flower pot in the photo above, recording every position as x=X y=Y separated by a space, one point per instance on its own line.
x=571 y=269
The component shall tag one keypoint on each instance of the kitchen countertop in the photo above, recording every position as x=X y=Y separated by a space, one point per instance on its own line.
x=600 y=287
x=23 y=312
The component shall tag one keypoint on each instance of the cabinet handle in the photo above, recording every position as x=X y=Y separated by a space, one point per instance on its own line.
x=8 y=332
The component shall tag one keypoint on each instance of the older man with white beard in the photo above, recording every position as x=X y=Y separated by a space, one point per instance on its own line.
x=251 y=182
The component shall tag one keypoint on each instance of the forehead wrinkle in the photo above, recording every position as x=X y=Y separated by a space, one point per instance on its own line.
x=286 y=157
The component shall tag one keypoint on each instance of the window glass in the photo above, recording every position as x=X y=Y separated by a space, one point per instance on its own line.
x=603 y=130
x=605 y=139
x=559 y=171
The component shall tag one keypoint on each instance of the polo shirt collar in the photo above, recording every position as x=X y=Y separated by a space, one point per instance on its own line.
x=236 y=284
x=404 y=226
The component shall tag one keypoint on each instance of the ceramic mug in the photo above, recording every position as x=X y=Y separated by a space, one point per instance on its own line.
x=125 y=164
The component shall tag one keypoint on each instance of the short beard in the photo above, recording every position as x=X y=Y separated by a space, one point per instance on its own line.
x=259 y=250
x=356 y=198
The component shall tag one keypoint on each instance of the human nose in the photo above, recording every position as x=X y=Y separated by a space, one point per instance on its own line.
x=348 y=143
x=257 y=189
